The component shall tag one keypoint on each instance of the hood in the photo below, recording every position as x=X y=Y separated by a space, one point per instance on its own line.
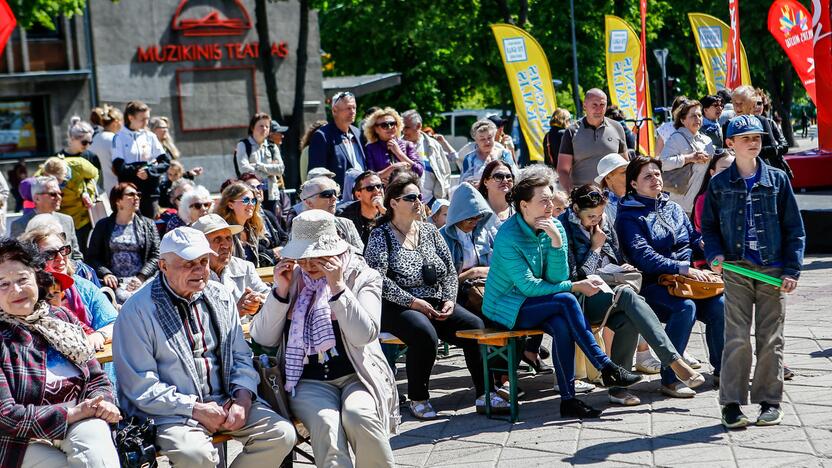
x=467 y=202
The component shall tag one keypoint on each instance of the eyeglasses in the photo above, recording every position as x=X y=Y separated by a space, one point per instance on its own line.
x=207 y=205
x=473 y=219
x=410 y=197
x=386 y=125
x=52 y=194
x=341 y=95
x=759 y=103
x=260 y=187
x=502 y=176
x=132 y=194
x=594 y=197
x=86 y=142
x=246 y=201
x=717 y=104
x=161 y=128
x=331 y=193
x=51 y=254
x=373 y=187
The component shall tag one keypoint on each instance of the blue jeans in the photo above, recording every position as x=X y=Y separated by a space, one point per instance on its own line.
x=679 y=315
x=561 y=317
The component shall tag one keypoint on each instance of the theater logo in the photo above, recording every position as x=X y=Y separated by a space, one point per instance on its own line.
x=203 y=21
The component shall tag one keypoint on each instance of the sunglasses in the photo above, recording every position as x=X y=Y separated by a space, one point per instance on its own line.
x=501 y=176
x=331 y=193
x=411 y=197
x=759 y=103
x=245 y=201
x=52 y=194
x=206 y=205
x=595 y=197
x=386 y=125
x=51 y=254
x=133 y=194
x=338 y=96
x=86 y=142
x=373 y=187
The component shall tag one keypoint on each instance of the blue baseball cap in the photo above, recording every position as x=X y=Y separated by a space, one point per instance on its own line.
x=744 y=125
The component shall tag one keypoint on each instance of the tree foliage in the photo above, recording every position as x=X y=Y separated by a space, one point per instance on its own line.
x=43 y=12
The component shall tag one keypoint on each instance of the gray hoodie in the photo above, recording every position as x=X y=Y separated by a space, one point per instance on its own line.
x=467 y=202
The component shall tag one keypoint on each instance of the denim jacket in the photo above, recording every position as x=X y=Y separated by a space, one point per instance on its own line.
x=656 y=236
x=780 y=234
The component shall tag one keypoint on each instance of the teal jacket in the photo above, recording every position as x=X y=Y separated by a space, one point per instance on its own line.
x=523 y=265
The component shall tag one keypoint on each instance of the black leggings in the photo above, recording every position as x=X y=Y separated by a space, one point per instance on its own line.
x=421 y=335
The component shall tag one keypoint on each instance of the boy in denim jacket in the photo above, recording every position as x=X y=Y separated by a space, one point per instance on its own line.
x=751 y=219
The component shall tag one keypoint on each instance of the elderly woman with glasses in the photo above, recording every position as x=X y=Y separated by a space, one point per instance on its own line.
x=593 y=250
x=192 y=204
x=124 y=247
x=84 y=300
x=239 y=205
x=419 y=294
x=57 y=402
x=386 y=150
x=748 y=101
x=483 y=132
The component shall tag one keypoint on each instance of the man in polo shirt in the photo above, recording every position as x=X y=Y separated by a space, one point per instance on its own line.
x=587 y=141
x=181 y=359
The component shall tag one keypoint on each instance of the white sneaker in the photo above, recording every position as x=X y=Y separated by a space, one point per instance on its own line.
x=692 y=361
x=580 y=387
x=647 y=364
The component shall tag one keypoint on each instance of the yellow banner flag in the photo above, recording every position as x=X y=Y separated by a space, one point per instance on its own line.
x=711 y=35
x=628 y=81
x=531 y=84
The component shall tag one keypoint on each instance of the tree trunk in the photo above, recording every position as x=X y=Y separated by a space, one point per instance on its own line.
x=502 y=6
x=619 y=8
x=524 y=14
x=266 y=59
x=297 y=125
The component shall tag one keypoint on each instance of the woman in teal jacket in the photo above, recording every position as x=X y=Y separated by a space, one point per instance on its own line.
x=528 y=287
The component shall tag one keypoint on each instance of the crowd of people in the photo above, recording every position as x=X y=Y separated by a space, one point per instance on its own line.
x=382 y=238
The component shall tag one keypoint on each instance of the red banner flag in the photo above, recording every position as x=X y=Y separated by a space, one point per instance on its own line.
x=7 y=24
x=788 y=22
x=821 y=23
x=733 y=56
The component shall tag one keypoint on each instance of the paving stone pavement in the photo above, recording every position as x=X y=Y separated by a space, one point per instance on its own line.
x=659 y=432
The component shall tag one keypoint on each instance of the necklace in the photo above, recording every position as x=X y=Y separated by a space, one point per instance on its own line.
x=405 y=235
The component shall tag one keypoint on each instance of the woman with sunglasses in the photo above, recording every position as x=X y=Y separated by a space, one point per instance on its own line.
x=124 y=247
x=368 y=208
x=528 y=287
x=238 y=205
x=593 y=247
x=57 y=402
x=273 y=225
x=79 y=136
x=496 y=182
x=386 y=150
x=83 y=299
x=193 y=203
x=419 y=294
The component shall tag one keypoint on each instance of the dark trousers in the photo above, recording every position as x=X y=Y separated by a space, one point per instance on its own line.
x=560 y=316
x=680 y=314
x=83 y=236
x=421 y=335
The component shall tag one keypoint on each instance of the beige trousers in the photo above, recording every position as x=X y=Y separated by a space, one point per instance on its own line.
x=267 y=438
x=338 y=412
x=88 y=444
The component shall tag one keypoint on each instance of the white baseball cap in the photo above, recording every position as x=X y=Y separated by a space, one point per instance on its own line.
x=608 y=164
x=186 y=242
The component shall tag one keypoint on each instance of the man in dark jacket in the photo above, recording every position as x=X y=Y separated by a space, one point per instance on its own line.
x=336 y=146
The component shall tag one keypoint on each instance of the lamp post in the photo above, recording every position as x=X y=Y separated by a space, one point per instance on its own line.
x=575 y=93
x=661 y=56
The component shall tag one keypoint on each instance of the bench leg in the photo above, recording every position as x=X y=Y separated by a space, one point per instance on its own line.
x=486 y=377
x=512 y=379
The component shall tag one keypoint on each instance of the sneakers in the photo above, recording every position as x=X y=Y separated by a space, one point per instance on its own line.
x=621 y=396
x=677 y=390
x=614 y=375
x=498 y=404
x=770 y=415
x=504 y=390
x=647 y=364
x=580 y=387
x=733 y=417
x=692 y=361
x=575 y=408
x=422 y=409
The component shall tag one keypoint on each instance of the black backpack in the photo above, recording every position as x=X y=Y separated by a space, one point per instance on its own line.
x=234 y=155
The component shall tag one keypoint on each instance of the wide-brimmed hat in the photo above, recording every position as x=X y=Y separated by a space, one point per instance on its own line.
x=608 y=164
x=213 y=223
x=314 y=235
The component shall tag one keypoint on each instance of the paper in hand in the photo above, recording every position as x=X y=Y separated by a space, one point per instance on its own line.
x=604 y=286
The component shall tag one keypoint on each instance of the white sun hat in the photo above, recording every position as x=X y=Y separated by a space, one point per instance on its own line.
x=314 y=235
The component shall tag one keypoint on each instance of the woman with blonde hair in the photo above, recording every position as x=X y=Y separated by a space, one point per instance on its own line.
x=161 y=127
x=386 y=150
x=239 y=205
x=747 y=101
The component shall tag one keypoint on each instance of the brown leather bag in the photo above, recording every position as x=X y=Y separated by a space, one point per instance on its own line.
x=689 y=288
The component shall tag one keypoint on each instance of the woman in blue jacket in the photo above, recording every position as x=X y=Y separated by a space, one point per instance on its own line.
x=658 y=238
x=528 y=287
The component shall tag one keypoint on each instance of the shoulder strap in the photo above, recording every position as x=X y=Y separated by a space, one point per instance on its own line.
x=247 y=145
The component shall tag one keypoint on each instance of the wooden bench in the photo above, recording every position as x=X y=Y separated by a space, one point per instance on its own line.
x=390 y=339
x=266 y=274
x=499 y=343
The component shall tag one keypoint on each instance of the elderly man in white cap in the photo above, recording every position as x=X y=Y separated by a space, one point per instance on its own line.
x=181 y=359
x=612 y=176
x=236 y=274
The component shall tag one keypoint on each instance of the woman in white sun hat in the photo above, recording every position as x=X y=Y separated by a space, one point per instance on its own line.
x=612 y=177
x=328 y=303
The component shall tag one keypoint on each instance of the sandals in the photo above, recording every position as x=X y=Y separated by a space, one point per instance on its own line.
x=538 y=365
x=422 y=410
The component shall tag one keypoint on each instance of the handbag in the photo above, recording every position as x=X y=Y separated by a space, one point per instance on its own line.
x=474 y=293
x=632 y=279
x=271 y=387
x=100 y=208
x=689 y=288
x=135 y=441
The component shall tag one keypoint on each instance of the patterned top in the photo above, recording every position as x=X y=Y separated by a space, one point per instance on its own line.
x=402 y=268
x=63 y=380
x=126 y=251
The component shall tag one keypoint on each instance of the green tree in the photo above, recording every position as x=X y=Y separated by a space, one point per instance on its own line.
x=42 y=12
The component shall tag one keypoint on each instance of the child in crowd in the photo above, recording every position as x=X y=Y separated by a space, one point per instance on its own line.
x=750 y=218
x=439 y=212
x=561 y=201
x=722 y=160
